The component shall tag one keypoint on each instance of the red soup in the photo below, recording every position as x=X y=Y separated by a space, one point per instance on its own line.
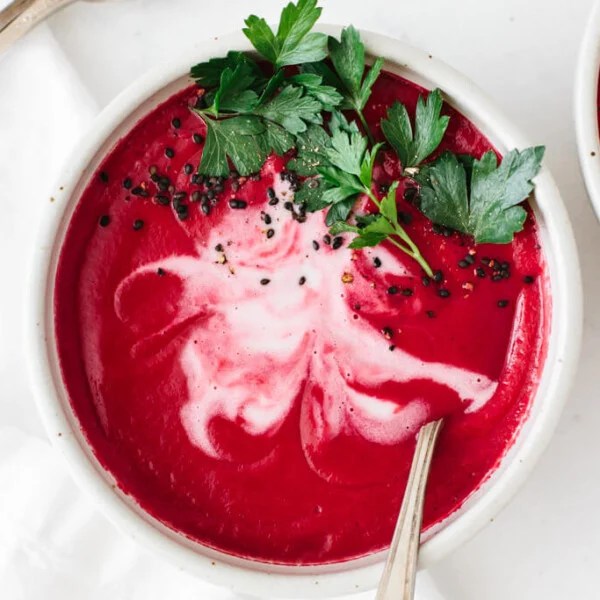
x=256 y=385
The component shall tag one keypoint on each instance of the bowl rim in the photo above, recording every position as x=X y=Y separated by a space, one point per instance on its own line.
x=351 y=576
x=586 y=107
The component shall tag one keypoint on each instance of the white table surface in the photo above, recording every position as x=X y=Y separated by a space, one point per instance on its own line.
x=546 y=544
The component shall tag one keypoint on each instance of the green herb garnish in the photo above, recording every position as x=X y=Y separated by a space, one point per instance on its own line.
x=481 y=200
x=411 y=147
x=253 y=110
x=294 y=43
x=348 y=58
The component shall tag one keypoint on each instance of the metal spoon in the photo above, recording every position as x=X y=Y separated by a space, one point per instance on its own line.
x=22 y=15
x=398 y=580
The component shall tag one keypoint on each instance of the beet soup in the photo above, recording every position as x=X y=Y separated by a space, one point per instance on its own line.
x=257 y=385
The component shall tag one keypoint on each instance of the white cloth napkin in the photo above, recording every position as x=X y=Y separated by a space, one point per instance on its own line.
x=54 y=544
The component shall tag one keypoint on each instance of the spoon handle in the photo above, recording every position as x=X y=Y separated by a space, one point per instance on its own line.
x=398 y=580
x=22 y=15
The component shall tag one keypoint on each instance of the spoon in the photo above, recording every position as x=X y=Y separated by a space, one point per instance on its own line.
x=398 y=579
x=22 y=15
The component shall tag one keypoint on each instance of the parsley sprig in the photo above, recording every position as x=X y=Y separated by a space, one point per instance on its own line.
x=293 y=100
x=480 y=197
x=344 y=166
x=411 y=147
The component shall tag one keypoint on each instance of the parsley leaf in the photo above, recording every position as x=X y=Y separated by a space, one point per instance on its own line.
x=348 y=58
x=239 y=139
x=327 y=95
x=233 y=94
x=208 y=74
x=413 y=148
x=294 y=43
x=484 y=203
x=311 y=146
x=291 y=109
x=346 y=151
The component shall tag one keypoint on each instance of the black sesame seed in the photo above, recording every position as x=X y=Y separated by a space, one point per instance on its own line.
x=438 y=276
x=268 y=219
x=502 y=303
x=211 y=194
x=183 y=212
x=463 y=264
x=273 y=201
x=205 y=209
x=169 y=152
x=430 y=314
x=219 y=247
x=176 y=123
x=393 y=289
x=104 y=221
x=181 y=209
x=387 y=332
x=265 y=281
x=377 y=262
x=235 y=203
x=104 y=176
x=139 y=191
x=410 y=194
x=302 y=280
x=270 y=233
x=443 y=293
x=528 y=279
x=391 y=348
x=154 y=177
x=270 y=193
x=469 y=258
x=480 y=272
x=407 y=292
x=188 y=169
x=337 y=242
x=504 y=266
x=497 y=277
x=163 y=183
x=160 y=271
x=425 y=280
x=198 y=139
x=162 y=199
x=315 y=245
x=288 y=206
x=138 y=224
x=327 y=239
x=127 y=183
x=405 y=218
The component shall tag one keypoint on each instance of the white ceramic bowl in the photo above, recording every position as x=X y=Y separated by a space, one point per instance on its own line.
x=356 y=575
x=586 y=107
